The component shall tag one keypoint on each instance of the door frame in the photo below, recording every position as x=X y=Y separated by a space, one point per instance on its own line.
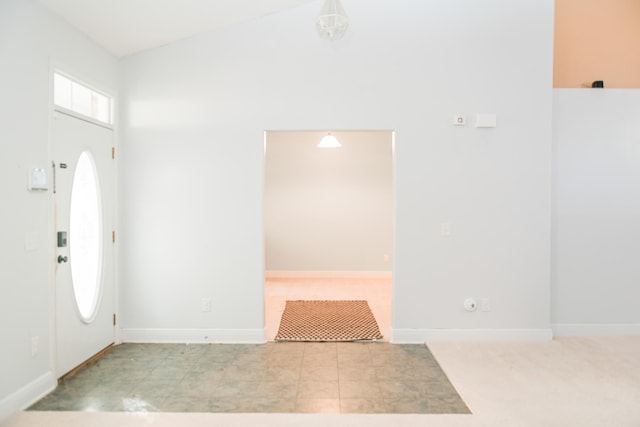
x=56 y=66
x=393 y=213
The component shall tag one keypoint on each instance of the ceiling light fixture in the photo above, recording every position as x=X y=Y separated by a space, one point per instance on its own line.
x=329 y=141
x=333 y=21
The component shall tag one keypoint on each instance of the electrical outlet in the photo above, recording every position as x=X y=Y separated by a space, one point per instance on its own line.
x=35 y=344
x=205 y=305
x=445 y=229
x=485 y=303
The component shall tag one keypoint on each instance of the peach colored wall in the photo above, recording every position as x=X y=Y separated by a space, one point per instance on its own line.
x=597 y=40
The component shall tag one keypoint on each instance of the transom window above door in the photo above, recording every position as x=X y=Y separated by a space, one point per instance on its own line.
x=73 y=97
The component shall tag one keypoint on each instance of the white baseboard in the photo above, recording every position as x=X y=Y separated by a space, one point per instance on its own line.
x=27 y=395
x=596 y=330
x=195 y=336
x=417 y=336
x=286 y=274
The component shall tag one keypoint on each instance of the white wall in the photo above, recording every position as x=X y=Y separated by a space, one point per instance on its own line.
x=192 y=182
x=29 y=39
x=192 y=163
x=596 y=212
x=328 y=209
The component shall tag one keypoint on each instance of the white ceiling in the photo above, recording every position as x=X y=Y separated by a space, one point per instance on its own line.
x=124 y=27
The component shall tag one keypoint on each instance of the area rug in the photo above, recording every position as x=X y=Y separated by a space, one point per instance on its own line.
x=328 y=321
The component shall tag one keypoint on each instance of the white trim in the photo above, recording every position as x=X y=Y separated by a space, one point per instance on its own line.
x=80 y=116
x=27 y=395
x=415 y=336
x=284 y=274
x=594 y=330
x=199 y=336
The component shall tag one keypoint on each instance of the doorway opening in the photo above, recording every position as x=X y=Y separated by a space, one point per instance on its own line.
x=328 y=221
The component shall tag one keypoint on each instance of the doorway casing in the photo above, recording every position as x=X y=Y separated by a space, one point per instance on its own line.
x=351 y=190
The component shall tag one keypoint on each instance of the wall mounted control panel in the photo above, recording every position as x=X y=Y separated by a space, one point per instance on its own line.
x=37 y=180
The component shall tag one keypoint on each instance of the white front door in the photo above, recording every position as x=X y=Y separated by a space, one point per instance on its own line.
x=84 y=201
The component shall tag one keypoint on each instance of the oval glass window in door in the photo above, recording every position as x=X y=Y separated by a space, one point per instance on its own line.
x=85 y=237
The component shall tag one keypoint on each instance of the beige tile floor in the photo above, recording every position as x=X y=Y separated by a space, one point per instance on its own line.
x=271 y=378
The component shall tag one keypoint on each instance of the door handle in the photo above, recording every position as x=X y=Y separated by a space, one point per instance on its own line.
x=61 y=259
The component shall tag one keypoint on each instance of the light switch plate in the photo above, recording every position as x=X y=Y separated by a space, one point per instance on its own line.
x=30 y=241
x=445 y=229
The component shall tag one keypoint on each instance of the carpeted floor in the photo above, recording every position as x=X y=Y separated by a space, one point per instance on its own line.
x=328 y=321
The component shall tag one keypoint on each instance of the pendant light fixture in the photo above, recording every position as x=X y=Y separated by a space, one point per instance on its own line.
x=333 y=20
x=329 y=141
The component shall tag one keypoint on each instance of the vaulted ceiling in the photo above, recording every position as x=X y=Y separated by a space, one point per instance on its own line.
x=124 y=27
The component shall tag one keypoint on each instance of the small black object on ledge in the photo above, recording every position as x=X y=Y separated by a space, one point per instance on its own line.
x=598 y=84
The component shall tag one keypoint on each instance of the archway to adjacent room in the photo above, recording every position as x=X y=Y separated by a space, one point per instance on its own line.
x=328 y=221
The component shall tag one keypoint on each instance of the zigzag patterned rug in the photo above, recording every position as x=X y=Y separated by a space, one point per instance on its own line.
x=328 y=321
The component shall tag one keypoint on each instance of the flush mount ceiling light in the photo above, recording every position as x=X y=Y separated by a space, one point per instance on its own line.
x=329 y=141
x=333 y=21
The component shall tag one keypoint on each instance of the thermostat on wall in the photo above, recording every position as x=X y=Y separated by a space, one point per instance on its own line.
x=37 y=179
